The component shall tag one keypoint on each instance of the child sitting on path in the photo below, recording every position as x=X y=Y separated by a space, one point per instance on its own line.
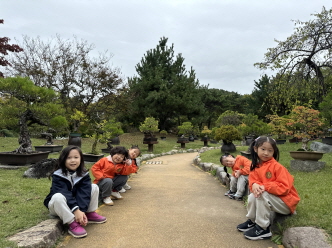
x=239 y=178
x=111 y=173
x=133 y=153
x=272 y=188
x=72 y=196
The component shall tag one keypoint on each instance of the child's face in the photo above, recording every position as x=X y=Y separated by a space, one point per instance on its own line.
x=133 y=153
x=265 y=152
x=225 y=160
x=73 y=160
x=229 y=161
x=118 y=158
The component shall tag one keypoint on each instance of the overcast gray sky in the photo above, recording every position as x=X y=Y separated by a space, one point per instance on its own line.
x=220 y=39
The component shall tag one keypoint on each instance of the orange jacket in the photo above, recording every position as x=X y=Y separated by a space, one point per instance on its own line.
x=242 y=164
x=277 y=181
x=105 y=168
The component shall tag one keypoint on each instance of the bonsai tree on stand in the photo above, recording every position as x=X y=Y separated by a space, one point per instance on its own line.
x=110 y=131
x=205 y=135
x=227 y=134
x=184 y=131
x=149 y=127
x=163 y=134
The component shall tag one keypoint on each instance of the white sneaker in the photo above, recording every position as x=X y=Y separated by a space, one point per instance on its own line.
x=122 y=190
x=116 y=195
x=108 y=201
x=126 y=186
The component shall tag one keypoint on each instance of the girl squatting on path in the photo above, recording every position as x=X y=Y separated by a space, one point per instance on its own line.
x=133 y=153
x=111 y=173
x=72 y=196
x=272 y=188
x=239 y=178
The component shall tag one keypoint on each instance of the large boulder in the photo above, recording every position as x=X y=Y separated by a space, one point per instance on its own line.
x=320 y=147
x=41 y=169
x=305 y=237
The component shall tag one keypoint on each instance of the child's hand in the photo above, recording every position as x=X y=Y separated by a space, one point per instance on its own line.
x=80 y=217
x=237 y=173
x=257 y=190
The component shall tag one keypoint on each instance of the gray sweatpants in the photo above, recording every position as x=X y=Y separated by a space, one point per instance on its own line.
x=106 y=185
x=239 y=184
x=259 y=209
x=58 y=205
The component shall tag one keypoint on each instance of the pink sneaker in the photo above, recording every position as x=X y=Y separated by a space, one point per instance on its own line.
x=93 y=217
x=76 y=230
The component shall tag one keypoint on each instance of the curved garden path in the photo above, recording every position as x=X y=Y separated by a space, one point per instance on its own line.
x=171 y=204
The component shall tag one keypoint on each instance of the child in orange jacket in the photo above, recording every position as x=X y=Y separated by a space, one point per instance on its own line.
x=239 y=178
x=111 y=173
x=272 y=188
x=133 y=153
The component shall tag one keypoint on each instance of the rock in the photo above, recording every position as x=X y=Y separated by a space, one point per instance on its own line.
x=306 y=165
x=196 y=160
x=214 y=167
x=45 y=234
x=305 y=237
x=41 y=169
x=320 y=147
x=206 y=166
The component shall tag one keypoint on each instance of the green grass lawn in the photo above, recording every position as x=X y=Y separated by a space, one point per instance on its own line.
x=313 y=188
x=21 y=198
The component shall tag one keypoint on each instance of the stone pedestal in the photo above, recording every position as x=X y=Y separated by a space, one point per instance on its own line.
x=306 y=165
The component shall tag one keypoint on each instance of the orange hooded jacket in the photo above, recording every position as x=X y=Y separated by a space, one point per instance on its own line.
x=105 y=168
x=277 y=181
x=242 y=164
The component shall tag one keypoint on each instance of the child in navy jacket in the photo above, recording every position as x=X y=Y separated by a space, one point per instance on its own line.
x=72 y=196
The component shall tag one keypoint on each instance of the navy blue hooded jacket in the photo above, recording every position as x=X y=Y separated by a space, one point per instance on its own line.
x=77 y=190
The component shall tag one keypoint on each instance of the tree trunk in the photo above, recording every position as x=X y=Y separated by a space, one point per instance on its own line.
x=24 y=139
x=305 y=142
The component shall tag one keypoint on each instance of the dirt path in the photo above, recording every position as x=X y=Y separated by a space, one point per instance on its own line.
x=171 y=204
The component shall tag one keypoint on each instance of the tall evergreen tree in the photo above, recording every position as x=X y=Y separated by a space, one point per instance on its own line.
x=163 y=88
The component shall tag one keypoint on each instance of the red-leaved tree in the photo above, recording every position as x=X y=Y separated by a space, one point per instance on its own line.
x=5 y=47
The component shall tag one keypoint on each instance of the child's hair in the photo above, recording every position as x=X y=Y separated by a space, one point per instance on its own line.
x=62 y=161
x=119 y=150
x=136 y=147
x=259 y=142
x=225 y=156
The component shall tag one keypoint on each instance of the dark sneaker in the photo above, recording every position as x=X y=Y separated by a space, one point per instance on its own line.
x=257 y=233
x=235 y=197
x=76 y=230
x=229 y=192
x=93 y=217
x=245 y=226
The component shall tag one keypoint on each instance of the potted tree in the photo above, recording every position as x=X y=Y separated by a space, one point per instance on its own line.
x=78 y=118
x=205 y=135
x=163 y=134
x=28 y=105
x=149 y=127
x=184 y=131
x=304 y=123
x=110 y=130
x=227 y=134
x=278 y=127
x=252 y=127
